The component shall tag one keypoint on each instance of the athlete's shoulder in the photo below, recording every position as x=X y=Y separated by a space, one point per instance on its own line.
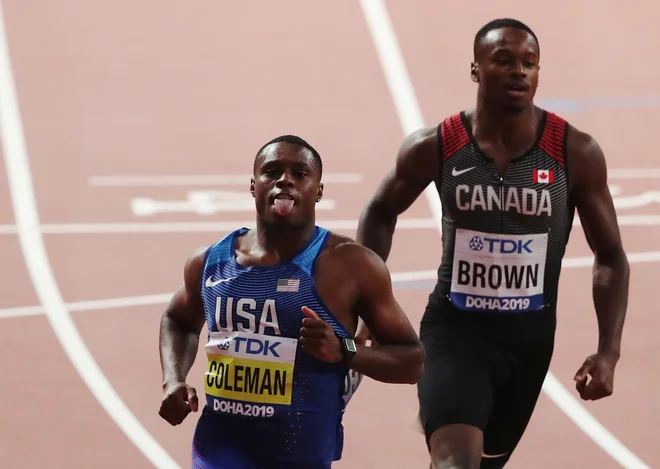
x=452 y=133
x=579 y=140
x=554 y=134
x=418 y=154
x=455 y=121
x=338 y=244
x=582 y=146
x=586 y=157
x=194 y=266
x=196 y=256
x=422 y=137
x=344 y=252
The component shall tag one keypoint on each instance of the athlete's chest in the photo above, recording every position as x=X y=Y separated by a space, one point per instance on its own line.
x=532 y=186
x=258 y=301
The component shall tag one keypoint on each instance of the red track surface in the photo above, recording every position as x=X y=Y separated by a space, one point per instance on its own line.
x=146 y=88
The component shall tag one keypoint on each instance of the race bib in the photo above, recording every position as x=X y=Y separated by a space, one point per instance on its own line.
x=249 y=374
x=498 y=272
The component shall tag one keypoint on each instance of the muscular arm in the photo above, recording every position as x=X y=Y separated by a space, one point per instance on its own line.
x=398 y=356
x=611 y=271
x=417 y=165
x=181 y=324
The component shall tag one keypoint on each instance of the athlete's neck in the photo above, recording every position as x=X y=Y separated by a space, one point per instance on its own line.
x=280 y=243
x=510 y=128
x=503 y=124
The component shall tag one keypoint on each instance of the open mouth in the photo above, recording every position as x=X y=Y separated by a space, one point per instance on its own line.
x=517 y=88
x=283 y=204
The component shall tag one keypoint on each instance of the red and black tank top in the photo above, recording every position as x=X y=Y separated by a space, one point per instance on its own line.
x=504 y=237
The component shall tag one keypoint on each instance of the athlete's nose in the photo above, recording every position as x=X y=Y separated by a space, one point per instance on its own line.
x=285 y=180
x=519 y=70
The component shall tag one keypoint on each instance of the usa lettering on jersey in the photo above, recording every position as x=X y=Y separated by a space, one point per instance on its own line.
x=498 y=272
x=246 y=315
x=524 y=200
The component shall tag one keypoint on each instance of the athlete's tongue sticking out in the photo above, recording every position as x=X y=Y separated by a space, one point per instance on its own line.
x=283 y=206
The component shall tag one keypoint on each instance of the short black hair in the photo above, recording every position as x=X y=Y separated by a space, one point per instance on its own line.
x=295 y=140
x=502 y=23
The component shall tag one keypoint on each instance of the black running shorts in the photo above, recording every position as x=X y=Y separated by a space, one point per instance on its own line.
x=472 y=378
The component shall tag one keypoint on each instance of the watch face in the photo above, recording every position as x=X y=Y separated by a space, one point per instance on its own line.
x=350 y=345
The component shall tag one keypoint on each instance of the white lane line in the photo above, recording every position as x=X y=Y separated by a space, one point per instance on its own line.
x=163 y=298
x=634 y=173
x=41 y=274
x=21 y=311
x=91 y=305
x=195 y=227
x=226 y=226
x=169 y=180
x=410 y=116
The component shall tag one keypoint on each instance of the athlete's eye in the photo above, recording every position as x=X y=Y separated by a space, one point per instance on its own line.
x=502 y=60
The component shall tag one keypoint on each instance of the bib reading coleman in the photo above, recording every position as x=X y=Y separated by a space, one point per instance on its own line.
x=504 y=235
x=249 y=374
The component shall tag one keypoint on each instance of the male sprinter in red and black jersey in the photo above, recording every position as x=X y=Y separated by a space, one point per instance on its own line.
x=510 y=176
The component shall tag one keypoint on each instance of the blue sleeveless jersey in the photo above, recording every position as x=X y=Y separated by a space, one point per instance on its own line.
x=265 y=396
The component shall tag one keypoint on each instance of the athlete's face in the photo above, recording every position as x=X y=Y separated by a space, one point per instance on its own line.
x=286 y=185
x=507 y=68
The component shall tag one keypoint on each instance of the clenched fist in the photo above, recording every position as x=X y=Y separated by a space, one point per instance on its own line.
x=318 y=338
x=178 y=401
x=600 y=367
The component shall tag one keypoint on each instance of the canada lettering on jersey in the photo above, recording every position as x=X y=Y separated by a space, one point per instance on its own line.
x=246 y=315
x=525 y=201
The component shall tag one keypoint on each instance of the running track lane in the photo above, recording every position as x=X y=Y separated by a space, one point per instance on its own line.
x=141 y=93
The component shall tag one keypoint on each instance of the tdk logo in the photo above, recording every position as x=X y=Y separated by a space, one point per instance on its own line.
x=476 y=244
x=224 y=345
x=252 y=346
x=508 y=246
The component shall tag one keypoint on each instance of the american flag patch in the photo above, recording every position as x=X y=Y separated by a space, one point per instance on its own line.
x=288 y=285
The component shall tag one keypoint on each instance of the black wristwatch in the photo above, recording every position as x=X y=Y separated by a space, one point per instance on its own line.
x=348 y=350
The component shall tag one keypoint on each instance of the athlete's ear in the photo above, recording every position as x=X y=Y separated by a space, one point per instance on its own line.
x=319 y=194
x=474 y=73
x=252 y=186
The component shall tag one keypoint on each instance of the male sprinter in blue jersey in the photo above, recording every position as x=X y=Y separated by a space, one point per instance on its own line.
x=281 y=303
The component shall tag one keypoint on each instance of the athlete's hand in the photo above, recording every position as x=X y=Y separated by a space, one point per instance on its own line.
x=318 y=338
x=600 y=367
x=178 y=401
